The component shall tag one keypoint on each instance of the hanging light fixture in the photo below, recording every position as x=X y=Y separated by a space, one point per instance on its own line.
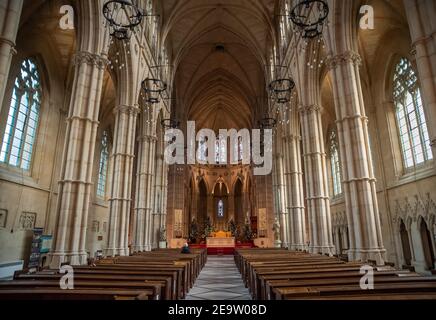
x=122 y=17
x=153 y=88
x=281 y=90
x=310 y=16
x=267 y=123
x=170 y=124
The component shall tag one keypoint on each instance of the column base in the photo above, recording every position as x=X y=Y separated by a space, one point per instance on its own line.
x=364 y=255
x=147 y=247
x=112 y=252
x=327 y=250
x=278 y=244
x=138 y=248
x=298 y=247
x=72 y=258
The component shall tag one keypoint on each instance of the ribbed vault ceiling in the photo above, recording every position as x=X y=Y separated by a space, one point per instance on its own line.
x=219 y=49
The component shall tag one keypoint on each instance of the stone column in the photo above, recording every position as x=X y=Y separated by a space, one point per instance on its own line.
x=121 y=187
x=163 y=219
x=297 y=223
x=420 y=15
x=157 y=207
x=143 y=206
x=75 y=184
x=10 y=13
x=318 y=202
x=357 y=169
x=282 y=173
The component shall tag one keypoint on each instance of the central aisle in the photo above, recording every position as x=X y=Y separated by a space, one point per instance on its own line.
x=219 y=280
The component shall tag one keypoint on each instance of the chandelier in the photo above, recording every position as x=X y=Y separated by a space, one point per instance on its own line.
x=122 y=17
x=267 y=123
x=153 y=88
x=281 y=90
x=309 y=16
x=170 y=124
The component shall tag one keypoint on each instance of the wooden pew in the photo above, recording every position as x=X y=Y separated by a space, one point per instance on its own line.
x=160 y=274
x=281 y=274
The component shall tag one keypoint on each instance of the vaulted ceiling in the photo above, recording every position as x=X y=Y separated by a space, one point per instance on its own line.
x=219 y=49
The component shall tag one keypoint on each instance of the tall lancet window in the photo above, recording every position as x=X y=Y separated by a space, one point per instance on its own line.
x=412 y=127
x=202 y=150
x=102 y=168
x=23 y=117
x=220 y=208
x=220 y=150
x=335 y=164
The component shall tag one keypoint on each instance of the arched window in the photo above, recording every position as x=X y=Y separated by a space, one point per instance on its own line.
x=335 y=164
x=102 y=169
x=412 y=127
x=241 y=149
x=20 y=133
x=220 y=150
x=202 y=156
x=221 y=208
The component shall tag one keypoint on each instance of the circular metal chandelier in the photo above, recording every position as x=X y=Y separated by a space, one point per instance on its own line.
x=281 y=90
x=267 y=123
x=170 y=124
x=309 y=16
x=122 y=17
x=153 y=89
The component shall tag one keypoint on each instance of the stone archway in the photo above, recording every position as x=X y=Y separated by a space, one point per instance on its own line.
x=405 y=244
x=238 y=203
x=426 y=245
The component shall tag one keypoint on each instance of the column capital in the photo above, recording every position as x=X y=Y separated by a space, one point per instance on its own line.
x=131 y=110
x=148 y=138
x=90 y=59
x=291 y=137
x=343 y=58
x=309 y=108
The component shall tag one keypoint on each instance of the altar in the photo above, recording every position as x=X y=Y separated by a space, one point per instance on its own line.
x=221 y=239
x=220 y=242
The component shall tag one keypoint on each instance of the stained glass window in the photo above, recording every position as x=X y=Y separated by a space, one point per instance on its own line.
x=220 y=208
x=23 y=117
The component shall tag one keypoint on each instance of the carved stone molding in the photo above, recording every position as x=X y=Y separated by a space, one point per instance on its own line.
x=90 y=59
x=130 y=110
x=339 y=219
x=148 y=138
x=309 y=109
x=414 y=207
x=344 y=58
x=291 y=137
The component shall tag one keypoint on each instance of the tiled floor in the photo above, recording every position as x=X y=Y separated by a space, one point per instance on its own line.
x=219 y=280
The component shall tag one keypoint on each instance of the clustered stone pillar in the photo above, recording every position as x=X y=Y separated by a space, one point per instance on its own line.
x=282 y=191
x=157 y=220
x=357 y=169
x=294 y=182
x=420 y=15
x=75 y=184
x=121 y=187
x=144 y=188
x=318 y=203
x=10 y=13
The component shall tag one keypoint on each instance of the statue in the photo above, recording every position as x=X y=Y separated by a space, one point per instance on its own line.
x=276 y=230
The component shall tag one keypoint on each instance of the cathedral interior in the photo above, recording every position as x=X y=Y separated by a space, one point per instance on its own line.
x=342 y=94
